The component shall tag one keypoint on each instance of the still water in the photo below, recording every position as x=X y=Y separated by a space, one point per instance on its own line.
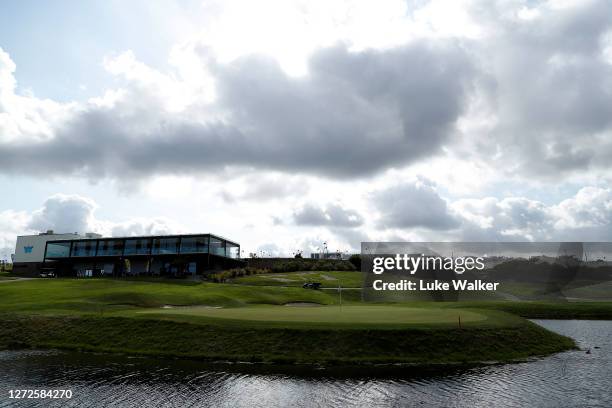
x=571 y=379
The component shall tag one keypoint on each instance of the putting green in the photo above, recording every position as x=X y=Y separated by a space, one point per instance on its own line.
x=332 y=314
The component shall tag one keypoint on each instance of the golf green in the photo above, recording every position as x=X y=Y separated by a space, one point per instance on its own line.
x=333 y=314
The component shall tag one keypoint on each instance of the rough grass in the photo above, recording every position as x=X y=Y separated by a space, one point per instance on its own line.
x=599 y=291
x=252 y=343
x=333 y=279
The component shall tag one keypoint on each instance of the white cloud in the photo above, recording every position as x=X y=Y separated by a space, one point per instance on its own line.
x=25 y=117
x=145 y=226
x=278 y=104
x=412 y=211
x=585 y=216
x=333 y=215
x=508 y=218
x=157 y=124
x=64 y=213
x=73 y=213
x=171 y=93
x=12 y=223
x=590 y=207
x=292 y=31
x=409 y=83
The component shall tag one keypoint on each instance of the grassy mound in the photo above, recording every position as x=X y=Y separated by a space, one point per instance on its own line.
x=253 y=325
x=81 y=296
x=218 y=341
x=328 y=279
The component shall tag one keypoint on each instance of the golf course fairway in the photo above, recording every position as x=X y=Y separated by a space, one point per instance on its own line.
x=226 y=322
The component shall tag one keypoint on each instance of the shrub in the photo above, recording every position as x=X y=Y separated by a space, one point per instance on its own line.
x=318 y=265
x=223 y=276
x=355 y=260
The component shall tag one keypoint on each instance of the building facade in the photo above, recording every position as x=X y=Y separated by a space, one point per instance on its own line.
x=329 y=255
x=161 y=255
x=30 y=250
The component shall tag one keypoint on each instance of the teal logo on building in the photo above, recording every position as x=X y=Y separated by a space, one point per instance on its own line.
x=28 y=249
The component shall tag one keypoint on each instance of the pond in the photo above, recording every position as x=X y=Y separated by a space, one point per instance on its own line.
x=570 y=379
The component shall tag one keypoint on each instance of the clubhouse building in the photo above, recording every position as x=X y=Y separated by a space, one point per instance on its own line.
x=92 y=255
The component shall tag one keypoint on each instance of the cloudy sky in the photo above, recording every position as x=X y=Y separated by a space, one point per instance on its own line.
x=284 y=124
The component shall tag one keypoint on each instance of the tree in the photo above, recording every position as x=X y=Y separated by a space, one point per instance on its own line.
x=355 y=259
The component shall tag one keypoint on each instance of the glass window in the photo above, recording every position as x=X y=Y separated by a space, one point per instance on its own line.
x=137 y=246
x=217 y=246
x=110 y=248
x=58 y=250
x=84 y=248
x=194 y=244
x=165 y=246
x=233 y=250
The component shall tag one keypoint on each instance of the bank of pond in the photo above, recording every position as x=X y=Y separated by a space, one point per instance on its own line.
x=224 y=322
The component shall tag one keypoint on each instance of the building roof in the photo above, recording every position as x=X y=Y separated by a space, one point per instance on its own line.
x=148 y=237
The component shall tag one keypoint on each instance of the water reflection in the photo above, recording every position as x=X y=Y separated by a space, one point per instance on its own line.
x=565 y=380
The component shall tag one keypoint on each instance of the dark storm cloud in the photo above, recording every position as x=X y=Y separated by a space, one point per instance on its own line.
x=413 y=205
x=545 y=81
x=353 y=115
x=333 y=215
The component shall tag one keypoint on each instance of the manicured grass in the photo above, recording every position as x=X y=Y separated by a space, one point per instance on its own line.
x=128 y=316
x=348 y=316
x=85 y=296
x=97 y=296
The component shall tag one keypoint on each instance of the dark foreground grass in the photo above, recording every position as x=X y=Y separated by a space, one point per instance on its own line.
x=286 y=345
